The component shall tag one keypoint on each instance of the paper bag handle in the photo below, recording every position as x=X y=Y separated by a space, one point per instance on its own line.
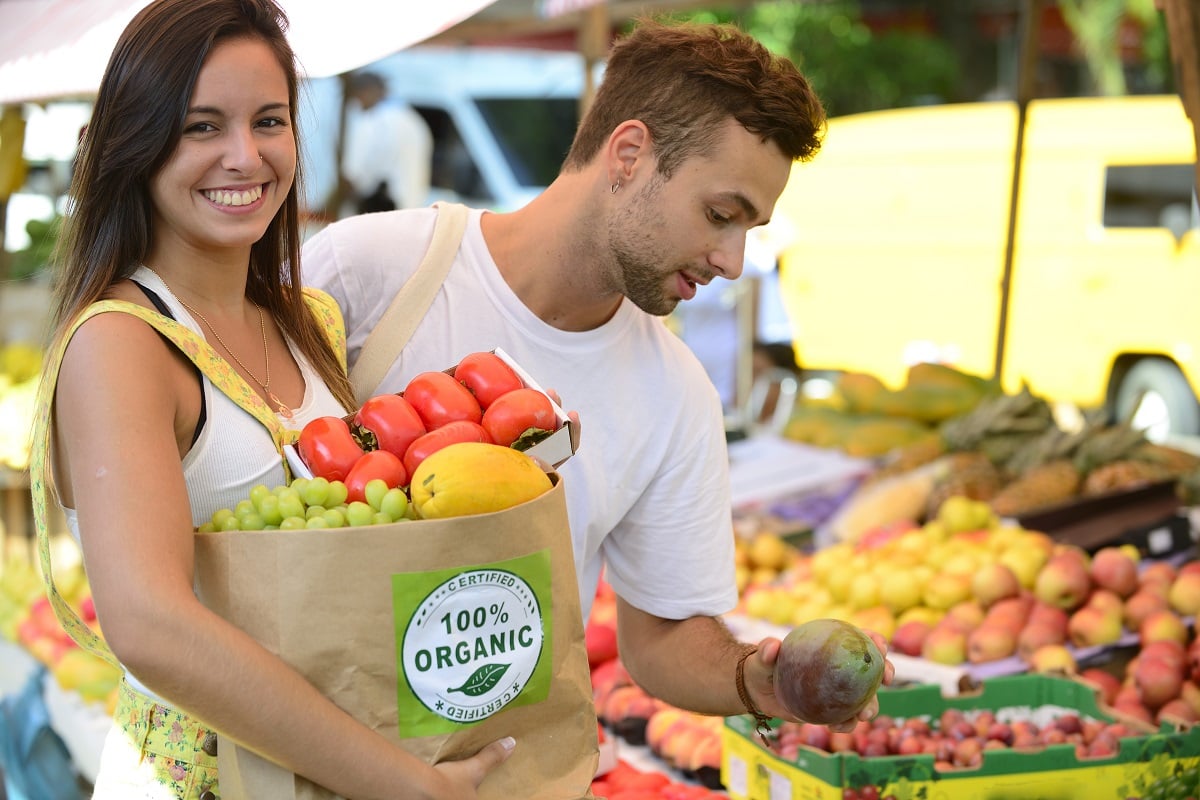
x=411 y=303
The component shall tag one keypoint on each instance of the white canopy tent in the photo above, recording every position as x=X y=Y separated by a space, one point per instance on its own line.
x=57 y=49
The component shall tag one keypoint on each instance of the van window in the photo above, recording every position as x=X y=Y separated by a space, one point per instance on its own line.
x=453 y=169
x=534 y=134
x=1150 y=196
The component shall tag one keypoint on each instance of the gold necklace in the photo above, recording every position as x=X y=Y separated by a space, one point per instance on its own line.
x=281 y=408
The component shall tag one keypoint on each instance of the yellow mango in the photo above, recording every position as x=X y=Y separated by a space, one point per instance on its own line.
x=475 y=478
x=80 y=671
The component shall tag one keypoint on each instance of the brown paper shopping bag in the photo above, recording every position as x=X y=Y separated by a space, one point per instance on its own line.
x=442 y=635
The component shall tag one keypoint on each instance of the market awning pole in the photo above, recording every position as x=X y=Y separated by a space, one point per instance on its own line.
x=1183 y=30
x=1030 y=25
x=12 y=171
x=593 y=40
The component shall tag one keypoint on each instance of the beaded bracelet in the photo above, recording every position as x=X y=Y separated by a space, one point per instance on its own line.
x=761 y=720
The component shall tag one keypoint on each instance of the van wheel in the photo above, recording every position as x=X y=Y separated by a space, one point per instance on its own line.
x=1155 y=397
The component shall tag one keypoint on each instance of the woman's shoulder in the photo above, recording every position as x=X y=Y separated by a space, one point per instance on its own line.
x=116 y=327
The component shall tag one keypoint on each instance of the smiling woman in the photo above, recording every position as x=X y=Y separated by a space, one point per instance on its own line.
x=184 y=348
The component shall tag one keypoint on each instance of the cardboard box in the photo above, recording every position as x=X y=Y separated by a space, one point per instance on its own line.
x=554 y=449
x=1115 y=518
x=1165 y=758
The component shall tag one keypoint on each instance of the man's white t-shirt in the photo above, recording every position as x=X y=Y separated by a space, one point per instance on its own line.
x=648 y=491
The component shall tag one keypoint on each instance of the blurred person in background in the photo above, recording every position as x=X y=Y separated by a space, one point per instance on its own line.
x=687 y=146
x=388 y=155
x=184 y=207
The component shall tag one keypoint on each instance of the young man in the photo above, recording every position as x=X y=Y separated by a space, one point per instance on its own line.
x=688 y=145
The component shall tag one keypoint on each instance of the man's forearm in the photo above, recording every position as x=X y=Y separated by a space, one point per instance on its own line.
x=689 y=663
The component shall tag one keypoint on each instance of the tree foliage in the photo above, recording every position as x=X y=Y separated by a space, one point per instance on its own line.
x=851 y=67
x=855 y=68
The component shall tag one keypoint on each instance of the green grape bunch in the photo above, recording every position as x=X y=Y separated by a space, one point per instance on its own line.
x=309 y=503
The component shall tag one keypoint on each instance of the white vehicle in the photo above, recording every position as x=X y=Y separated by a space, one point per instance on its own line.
x=502 y=119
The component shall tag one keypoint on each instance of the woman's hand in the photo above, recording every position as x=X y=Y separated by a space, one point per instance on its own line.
x=463 y=777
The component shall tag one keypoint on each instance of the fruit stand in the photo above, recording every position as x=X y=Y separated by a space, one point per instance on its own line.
x=1075 y=592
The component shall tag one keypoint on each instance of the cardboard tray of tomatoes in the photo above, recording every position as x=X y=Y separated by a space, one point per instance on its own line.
x=554 y=449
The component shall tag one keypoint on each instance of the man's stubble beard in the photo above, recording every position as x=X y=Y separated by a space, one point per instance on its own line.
x=637 y=254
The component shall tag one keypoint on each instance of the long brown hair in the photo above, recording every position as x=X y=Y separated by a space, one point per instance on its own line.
x=135 y=126
x=683 y=80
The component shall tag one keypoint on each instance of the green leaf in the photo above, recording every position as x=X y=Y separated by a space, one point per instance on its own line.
x=483 y=680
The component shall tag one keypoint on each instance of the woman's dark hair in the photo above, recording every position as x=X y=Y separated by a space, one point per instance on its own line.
x=684 y=80
x=135 y=126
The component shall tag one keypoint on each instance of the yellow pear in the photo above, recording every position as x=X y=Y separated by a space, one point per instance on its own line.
x=90 y=676
x=863 y=592
x=946 y=589
x=770 y=551
x=900 y=590
x=475 y=478
x=930 y=616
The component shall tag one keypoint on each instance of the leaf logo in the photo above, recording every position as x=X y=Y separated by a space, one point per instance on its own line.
x=483 y=680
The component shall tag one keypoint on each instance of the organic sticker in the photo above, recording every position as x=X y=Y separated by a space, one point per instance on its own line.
x=471 y=642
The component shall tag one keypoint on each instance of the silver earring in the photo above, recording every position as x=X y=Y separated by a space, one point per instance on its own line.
x=613 y=189
x=260 y=159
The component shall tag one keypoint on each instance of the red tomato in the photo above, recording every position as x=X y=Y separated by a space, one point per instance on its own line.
x=439 y=399
x=450 y=433
x=388 y=422
x=487 y=376
x=376 y=464
x=516 y=412
x=328 y=448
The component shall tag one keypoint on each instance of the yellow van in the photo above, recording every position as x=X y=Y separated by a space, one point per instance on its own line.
x=901 y=228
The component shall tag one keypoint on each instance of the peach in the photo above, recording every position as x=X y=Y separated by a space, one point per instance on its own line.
x=707 y=753
x=1105 y=682
x=1184 y=593
x=1035 y=635
x=909 y=637
x=945 y=644
x=1064 y=581
x=993 y=582
x=1113 y=569
x=1141 y=604
x=1158 y=572
x=1189 y=691
x=1157 y=681
x=1052 y=659
x=1012 y=612
x=1177 y=710
x=1163 y=624
x=990 y=642
x=1092 y=625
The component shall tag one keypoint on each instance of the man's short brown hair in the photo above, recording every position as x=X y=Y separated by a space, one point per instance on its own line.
x=684 y=80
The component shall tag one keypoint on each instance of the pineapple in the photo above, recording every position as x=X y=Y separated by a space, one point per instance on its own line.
x=1122 y=476
x=999 y=425
x=970 y=474
x=1187 y=488
x=1042 y=486
x=1106 y=445
x=909 y=456
x=1175 y=461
